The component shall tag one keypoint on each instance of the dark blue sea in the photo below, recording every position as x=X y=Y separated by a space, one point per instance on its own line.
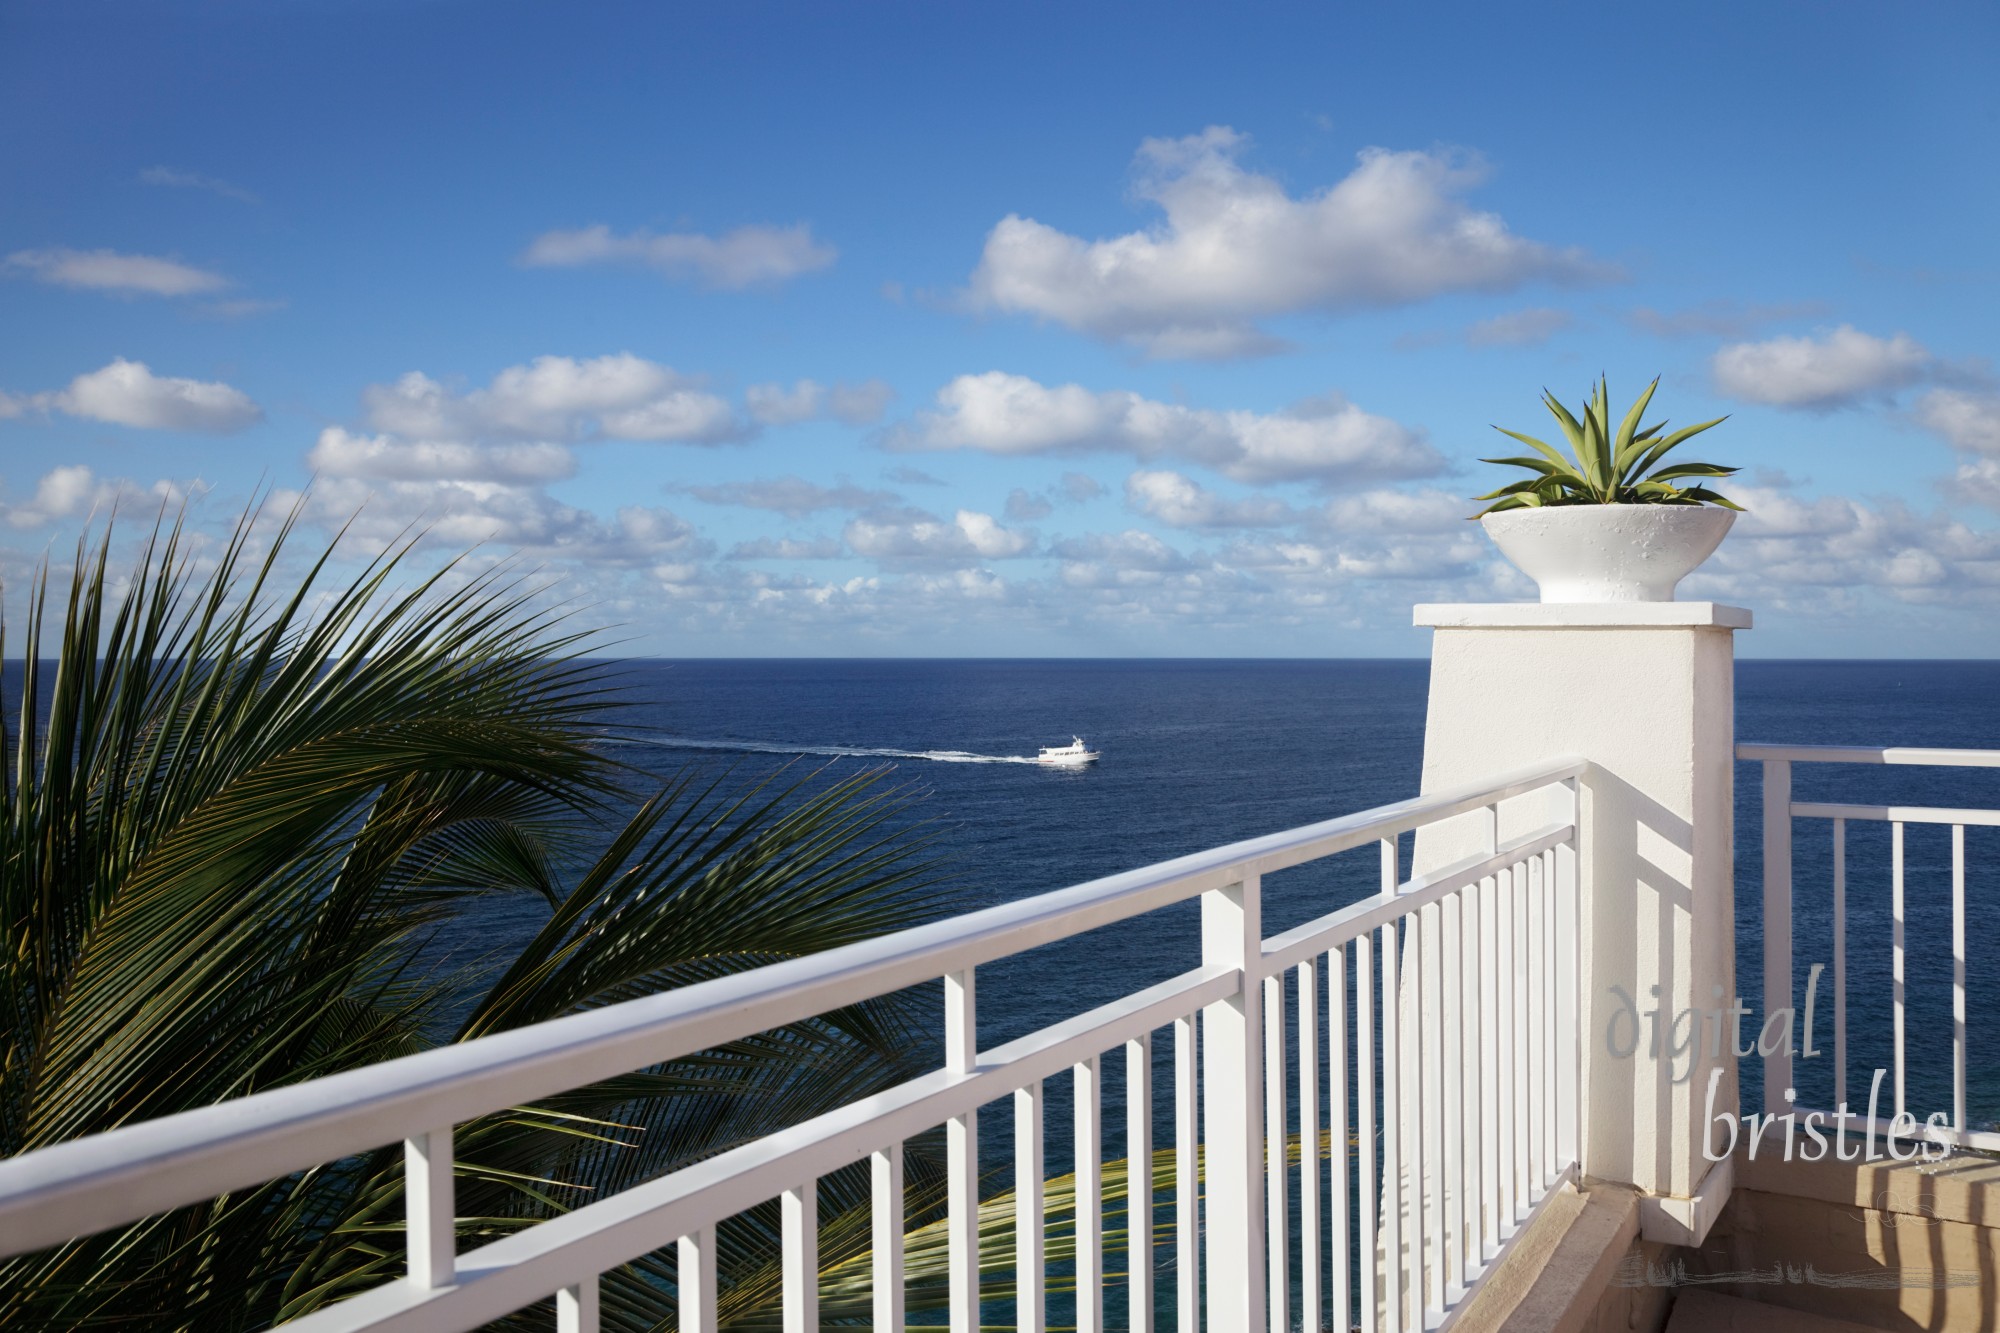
x=1202 y=752
x=1198 y=753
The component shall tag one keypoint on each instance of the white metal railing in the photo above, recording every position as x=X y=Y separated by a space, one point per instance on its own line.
x=1451 y=1049
x=1779 y=812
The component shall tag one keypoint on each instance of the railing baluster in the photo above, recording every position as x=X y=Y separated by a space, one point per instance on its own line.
x=1545 y=985
x=1777 y=923
x=1365 y=1137
x=1139 y=1181
x=1478 y=1045
x=1839 y=961
x=1531 y=973
x=577 y=1308
x=695 y=1281
x=1392 y=1139
x=1277 y=1225
x=1232 y=1102
x=1489 y=1068
x=886 y=1207
x=430 y=1209
x=1030 y=1268
x=1524 y=1083
x=800 y=1261
x=1451 y=957
x=1569 y=1032
x=1958 y=1121
x=1517 y=967
x=1089 y=1197
x=1896 y=949
x=1504 y=941
x=1340 y=1302
x=961 y=1053
x=1311 y=1255
x=1187 y=1177
x=1426 y=993
x=1542 y=977
x=1472 y=1019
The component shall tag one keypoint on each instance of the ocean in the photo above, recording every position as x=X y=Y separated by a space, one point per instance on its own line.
x=1201 y=752
x=1198 y=753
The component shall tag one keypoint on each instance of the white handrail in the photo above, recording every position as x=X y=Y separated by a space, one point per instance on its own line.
x=1894 y=814
x=91 y=1184
x=1868 y=754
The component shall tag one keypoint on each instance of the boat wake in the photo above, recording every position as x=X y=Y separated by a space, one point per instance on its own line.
x=831 y=751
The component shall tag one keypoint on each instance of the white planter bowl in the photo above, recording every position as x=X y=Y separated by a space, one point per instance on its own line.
x=1609 y=553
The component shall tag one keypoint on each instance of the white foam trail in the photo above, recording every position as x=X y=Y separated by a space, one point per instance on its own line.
x=833 y=751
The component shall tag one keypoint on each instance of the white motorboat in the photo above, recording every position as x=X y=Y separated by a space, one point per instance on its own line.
x=1068 y=756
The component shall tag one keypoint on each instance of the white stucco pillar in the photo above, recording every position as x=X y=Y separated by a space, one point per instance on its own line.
x=1645 y=691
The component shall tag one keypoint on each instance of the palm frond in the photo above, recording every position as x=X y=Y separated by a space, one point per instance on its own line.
x=244 y=812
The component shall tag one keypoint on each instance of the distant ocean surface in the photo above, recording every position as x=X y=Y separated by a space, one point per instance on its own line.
x=1197 y=753
x=1202 y=752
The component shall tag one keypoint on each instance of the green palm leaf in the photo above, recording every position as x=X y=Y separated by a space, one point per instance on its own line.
x=242 y=813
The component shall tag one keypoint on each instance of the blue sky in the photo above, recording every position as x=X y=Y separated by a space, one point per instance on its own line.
x=1040 y=329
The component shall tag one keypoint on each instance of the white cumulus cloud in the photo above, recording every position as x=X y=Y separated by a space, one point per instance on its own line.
x=474 y=466
x=1833 y=548
x=74 y=490
x=684 y=416
x=1121 y=560
x=341 y=453
x=968 y=536
x=1323 y=440
x=1392 y=511
x=111 y=271
x=1180 y=502
x=1836 y=368
x=1967 y=420
x=1234 y=247
x=1366 y=542
x=463 y=512
x=1977 y=480
x=128 y=393
x=748 y=256
x=621 y=396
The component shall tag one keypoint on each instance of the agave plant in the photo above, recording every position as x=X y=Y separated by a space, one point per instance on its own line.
x=240 y=816
x=1604 y=466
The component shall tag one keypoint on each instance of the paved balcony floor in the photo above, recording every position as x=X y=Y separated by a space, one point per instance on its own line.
x=1697 y=1311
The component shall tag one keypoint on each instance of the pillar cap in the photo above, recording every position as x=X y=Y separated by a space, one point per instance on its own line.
x=1580 y=615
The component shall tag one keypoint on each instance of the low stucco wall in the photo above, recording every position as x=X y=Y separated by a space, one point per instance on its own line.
x=1885 y=1245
